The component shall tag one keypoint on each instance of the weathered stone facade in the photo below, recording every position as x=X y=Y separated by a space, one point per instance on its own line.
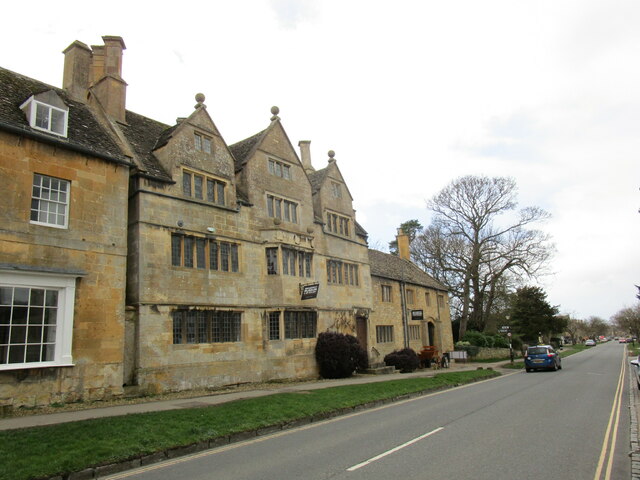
x=82 y=262
x=191 y=263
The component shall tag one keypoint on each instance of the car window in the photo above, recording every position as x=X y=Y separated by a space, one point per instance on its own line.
x=536 y=351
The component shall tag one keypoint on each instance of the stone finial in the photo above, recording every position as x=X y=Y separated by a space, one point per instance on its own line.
x=275 y=111
x=200 y=100
x=331 y=154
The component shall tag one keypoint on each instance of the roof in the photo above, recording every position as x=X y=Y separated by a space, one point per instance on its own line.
x=243 y=149
x=393 y=267
x=84 y=132
x=144 y=136
x=317 y=178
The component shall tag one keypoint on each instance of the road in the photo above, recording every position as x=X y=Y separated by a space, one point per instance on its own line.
x=523 y=425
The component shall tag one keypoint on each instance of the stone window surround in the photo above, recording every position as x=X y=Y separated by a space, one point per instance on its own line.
x=338 y=224
x=384 y=333
x=279 y=168
x=200 y=189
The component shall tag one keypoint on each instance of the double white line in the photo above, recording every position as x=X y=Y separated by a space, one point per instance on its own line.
x=609 y=443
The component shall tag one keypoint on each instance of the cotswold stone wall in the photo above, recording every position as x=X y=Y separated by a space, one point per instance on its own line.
x=489 y=353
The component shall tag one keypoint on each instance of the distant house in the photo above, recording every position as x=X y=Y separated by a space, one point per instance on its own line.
x=142 y=256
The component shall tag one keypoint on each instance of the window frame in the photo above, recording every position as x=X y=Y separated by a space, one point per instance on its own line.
x=65 y=285
x=387 y=294
x=278 y=169
x=342 y=273
x=300 y=324
x=338 y=224
x=201 y=142
x=282 y=208
x=31 y=106
x=273 y=325
x=203 y=187
x=384 y=334
x=204 y=254
x=39 y=201
x=193 y=326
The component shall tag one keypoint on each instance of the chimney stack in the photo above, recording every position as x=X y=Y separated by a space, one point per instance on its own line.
x=98 y=71
x=305 y=155
x=403 y=245
x=77 y=64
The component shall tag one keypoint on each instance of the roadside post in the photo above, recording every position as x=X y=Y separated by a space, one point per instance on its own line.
x=507 y=329
x=510 y=348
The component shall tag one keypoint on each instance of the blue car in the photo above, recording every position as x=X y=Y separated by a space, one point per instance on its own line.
x=542 y=357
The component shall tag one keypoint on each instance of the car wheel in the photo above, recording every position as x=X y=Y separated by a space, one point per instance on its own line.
x=555 y=367
x=528 y=370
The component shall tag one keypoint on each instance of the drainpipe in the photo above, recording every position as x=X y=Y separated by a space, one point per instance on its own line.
x=403 y=303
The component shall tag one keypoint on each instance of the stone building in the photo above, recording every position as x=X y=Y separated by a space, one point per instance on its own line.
x=177 y=261
x=410 y=308
x=64 y=184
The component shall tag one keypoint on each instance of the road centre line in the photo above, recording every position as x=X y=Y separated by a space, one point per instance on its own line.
x=612 y=427
x=393 y=450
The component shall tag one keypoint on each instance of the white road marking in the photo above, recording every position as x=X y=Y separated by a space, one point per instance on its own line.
x=393 y=450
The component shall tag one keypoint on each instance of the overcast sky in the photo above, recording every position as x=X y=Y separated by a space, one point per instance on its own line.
x=411 y=95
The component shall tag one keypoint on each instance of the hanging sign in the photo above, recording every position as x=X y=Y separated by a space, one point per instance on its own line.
x=310 y=290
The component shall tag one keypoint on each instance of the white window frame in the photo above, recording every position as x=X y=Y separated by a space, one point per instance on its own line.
x=41 y=200
x=30 y=107
x=65 y=284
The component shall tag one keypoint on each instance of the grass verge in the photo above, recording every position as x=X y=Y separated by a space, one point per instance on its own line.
x=69 y=447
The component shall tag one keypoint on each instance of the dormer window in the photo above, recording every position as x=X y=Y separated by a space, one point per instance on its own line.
x=47 y=112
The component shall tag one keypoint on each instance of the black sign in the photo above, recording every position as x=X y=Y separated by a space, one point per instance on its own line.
x=417 y=315
x=309 y=291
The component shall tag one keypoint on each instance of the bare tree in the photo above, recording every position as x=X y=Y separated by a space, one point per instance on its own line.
x=576 y=329
x=628 y=320
x=475 y=256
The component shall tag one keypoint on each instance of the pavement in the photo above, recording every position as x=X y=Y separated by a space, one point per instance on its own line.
x=216 y=398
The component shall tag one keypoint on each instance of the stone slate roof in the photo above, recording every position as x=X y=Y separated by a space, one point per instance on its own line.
x=393 y=267
x=242 y=150
x=84 y=132
x=145 y=135
x=360 y=231
x=317 y=178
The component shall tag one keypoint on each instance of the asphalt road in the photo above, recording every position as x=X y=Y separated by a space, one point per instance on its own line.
x=535 y=425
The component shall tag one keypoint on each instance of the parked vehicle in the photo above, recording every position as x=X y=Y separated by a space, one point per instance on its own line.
x=635 y=367
x=590 y=343
x=542 y=357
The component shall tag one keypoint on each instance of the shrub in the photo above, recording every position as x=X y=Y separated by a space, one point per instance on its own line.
x=472 y=350
x=475 y=338
x=405 y=360
x=500 y=342
x=339 y=355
